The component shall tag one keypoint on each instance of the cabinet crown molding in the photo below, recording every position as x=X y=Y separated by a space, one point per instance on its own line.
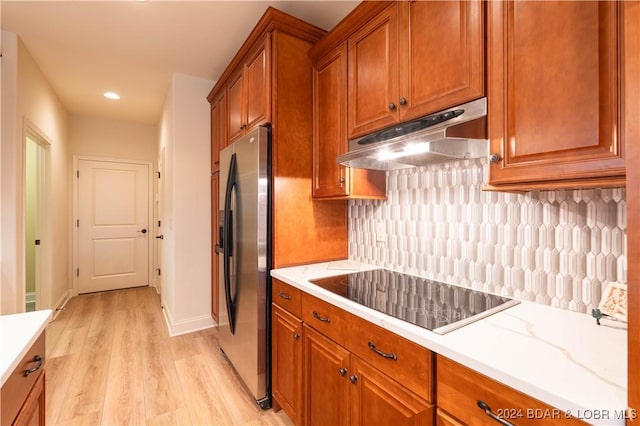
x=272 y=20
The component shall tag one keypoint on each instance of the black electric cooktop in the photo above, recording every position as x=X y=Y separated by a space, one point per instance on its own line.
x=433 y=305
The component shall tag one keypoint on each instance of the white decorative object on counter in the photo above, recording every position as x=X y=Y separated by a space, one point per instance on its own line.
x=614 y=301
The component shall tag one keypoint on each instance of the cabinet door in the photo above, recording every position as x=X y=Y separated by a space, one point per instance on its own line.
x=444 y=419
x=441 y=55
x=554 y=92
x=379 y=400
x=235 y=107
x=326 y=383
x=287 y=363
x=218 y=129
x=257 y=78
x=32 y=412
x=215 y=239
x=329 y=124
x=373 y=75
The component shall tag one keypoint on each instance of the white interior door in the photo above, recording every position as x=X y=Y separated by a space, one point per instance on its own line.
x=113 y=228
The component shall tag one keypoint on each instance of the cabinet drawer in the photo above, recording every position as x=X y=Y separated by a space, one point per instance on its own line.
x=328 y=319
x=286 y=296
x=406 y=362
x=460 y=389
x=17 y=387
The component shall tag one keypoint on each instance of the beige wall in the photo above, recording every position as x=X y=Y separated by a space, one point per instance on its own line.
x=184 y=136
x=100 y=137
x=28 y=101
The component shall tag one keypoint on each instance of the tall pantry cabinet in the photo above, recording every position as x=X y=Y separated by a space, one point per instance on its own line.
x=269 y=81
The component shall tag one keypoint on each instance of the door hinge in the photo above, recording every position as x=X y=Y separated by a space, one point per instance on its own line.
x=77 y=272
x=77 y=173
x=158 y=175
x=158 y=271
x=159 y=224
x=78 y=223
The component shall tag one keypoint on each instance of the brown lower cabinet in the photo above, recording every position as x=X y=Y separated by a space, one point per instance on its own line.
x=22 y=397
x=325 y=371
x=331 y=367
x=286 y=362
x=341 y=389
x=32 y=412
x=461 y=391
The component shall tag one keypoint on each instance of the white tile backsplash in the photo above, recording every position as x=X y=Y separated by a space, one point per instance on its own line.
x=559 y=248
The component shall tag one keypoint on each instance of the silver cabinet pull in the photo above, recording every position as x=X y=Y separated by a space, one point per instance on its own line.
x=353 y=378
x=487 y=410
x=318 y=317
x=343 y=371
x=296 y=336
x=382 y=354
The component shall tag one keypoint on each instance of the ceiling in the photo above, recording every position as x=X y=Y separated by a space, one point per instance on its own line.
x=85 y=47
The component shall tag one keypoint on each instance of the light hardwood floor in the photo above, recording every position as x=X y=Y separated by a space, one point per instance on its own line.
x=110 y=361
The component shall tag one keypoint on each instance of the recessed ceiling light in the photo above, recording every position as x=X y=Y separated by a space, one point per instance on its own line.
x=111 y=95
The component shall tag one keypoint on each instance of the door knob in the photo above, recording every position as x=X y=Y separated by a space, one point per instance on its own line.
x=143 y=231
x=160 y=237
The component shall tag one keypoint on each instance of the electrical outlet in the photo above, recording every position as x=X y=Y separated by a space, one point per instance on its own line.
x=381 y=236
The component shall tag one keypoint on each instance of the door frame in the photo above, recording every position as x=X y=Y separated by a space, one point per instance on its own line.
x=74 y=222
x=43 y=261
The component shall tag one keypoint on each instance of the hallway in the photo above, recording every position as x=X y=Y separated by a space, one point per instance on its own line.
x=110 y=361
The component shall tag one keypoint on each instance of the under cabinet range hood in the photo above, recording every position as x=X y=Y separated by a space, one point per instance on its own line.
x=452 y=134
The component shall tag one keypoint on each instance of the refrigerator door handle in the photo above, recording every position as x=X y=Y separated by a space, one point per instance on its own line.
x=227 y=244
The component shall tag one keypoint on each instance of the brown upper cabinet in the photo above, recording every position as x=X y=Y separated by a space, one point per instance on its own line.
x=412 y=59
x=554 y=92
x=249 y=92
x=218 y=128
x=269 y=81
x=330 y=179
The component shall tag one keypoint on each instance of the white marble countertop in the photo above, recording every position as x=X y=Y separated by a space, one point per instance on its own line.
x=18 y=332
x=557 y=356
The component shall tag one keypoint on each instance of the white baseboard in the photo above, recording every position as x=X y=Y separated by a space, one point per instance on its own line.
x=188 y=325
x=61 y=303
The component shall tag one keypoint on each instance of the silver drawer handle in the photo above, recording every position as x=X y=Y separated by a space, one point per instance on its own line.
x=382 y=354
x=318 y=317
x=487 y=410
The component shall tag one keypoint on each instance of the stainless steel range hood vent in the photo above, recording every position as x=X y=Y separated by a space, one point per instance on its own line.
x=453 y=134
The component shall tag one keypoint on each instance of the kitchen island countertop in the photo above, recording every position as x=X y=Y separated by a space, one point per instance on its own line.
x=18 y=332
x=557 y=356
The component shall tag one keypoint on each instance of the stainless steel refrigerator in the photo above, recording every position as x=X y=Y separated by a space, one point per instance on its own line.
x=245 y=260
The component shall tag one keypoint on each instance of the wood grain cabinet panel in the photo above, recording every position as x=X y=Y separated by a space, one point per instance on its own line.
x=235 y=106
x=441 y=55
x=554 y=94
x=342 y=389
x=373 y=74
x=22 y=397
x=378 y=400
x=269 y=81
x=257 y=71
x=286 y=297
x=286 y=332
x=249 y=92
x=460 y=389
x=33 y=411
x=330 y=179
x=218 y=128
x=215 y=240
x=413 y=59
x=326 y=383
